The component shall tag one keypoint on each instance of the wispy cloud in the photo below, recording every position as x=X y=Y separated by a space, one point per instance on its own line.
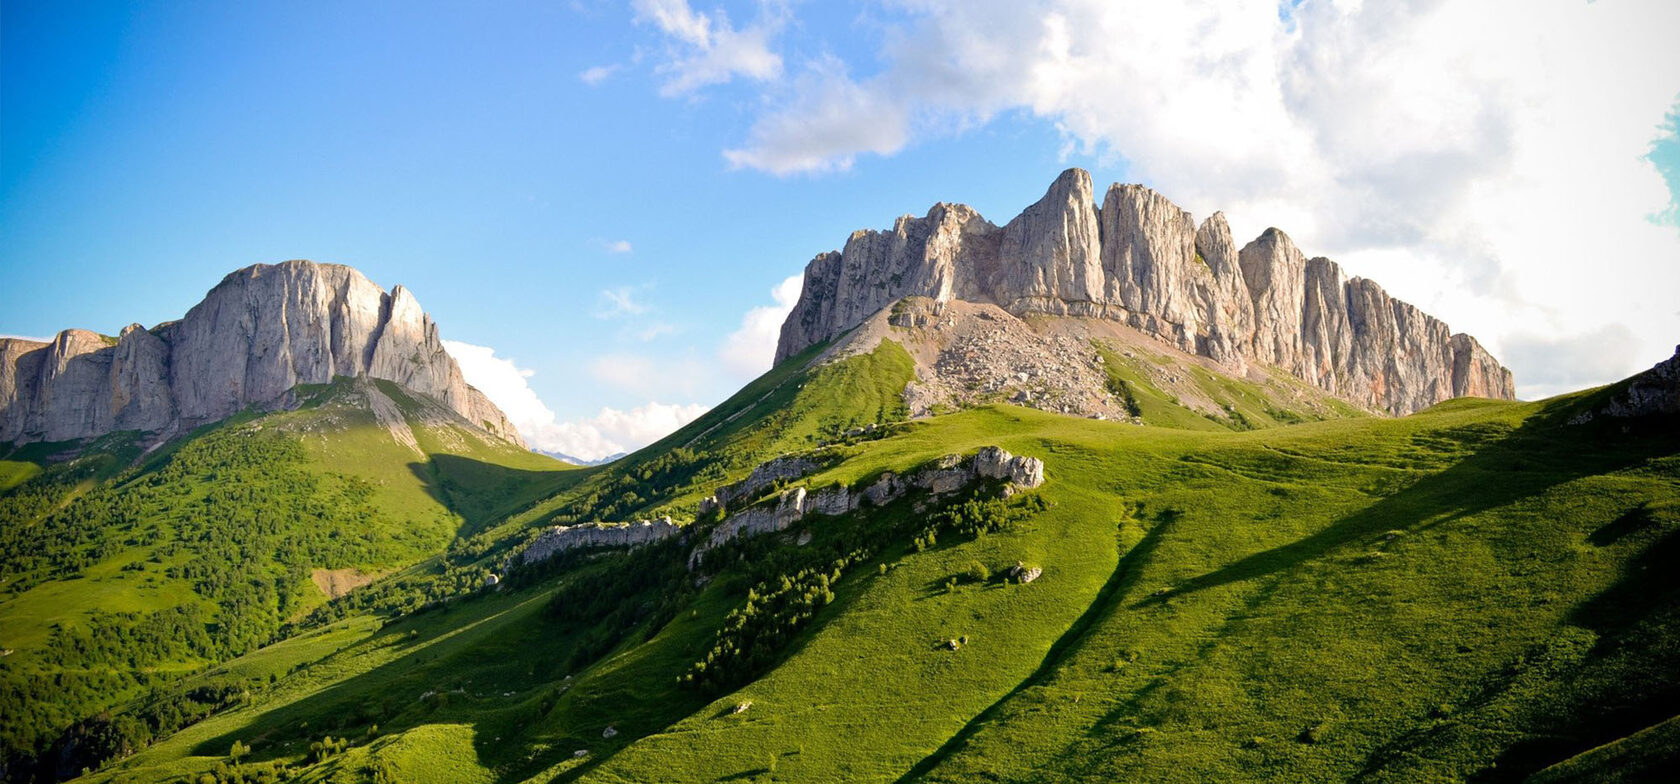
x=620 y=301
x=618 y=246
x=704 y=49
x=643 y=375
x=653 y=331
x=595 y=75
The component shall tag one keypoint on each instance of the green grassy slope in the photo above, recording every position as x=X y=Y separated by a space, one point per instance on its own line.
x=123 y=572
x=1473 y=592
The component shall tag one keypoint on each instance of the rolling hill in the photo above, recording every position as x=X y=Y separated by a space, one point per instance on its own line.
x=1470 y=592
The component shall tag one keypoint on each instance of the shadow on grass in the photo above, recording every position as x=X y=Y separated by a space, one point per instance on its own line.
x=1106 y=603
x=1538 y=455
x=482 y=492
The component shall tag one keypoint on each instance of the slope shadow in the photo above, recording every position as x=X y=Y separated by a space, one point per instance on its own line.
x=386 y=695
x=1535 y=456
x=1540 y=453
x=390 y=695
x=1107 y=601
x=482 y=492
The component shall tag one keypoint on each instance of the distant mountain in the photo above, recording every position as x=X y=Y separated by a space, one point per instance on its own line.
x=578 y=460
x=1142 y=262
x=257 y=335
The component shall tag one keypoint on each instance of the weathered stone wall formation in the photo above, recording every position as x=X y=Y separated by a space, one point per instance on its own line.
x=1141 y=260
x=768 y=473
x=947 y=475
x=263 y=330
x=561 y=538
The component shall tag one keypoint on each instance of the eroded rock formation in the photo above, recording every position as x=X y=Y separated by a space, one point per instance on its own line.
x=946 y=475
x=1141 y=260
x=260 y=332
x=561 y=538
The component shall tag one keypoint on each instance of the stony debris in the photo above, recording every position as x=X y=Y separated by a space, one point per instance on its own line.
x=1023 y=574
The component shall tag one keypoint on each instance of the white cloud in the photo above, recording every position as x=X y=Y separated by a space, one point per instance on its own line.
x=748 y=351
x=653 y=377
x=613 y=431
x=607 y=433
x=1571 y=363
x=657 y=329
x=829 y=121
x=595 y=75
x=619 y=301
x=705 y=49
x=619 y=246
x=1485 y=160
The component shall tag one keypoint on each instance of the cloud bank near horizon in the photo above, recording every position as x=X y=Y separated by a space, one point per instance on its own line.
x=742 y=356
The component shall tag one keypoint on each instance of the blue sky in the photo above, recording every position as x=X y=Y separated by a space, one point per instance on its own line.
x=602 y=193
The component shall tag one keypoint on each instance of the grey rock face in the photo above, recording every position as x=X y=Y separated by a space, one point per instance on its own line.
x=768 y=473
x=260 y=332
x=561 y=538
x=1653 y=392
x=946 y=475
x=1141 y=260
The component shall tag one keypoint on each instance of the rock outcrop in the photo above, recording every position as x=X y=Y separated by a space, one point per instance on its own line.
x=1142 y=261
x=562 y=538
x=945 y=475
x=260 y=332
x=766 y=474
x=1655 y=392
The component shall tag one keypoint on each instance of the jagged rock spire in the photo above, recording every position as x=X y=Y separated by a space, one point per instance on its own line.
x=1142 y=260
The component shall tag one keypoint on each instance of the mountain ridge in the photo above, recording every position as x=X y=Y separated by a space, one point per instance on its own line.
x=260 y=332
x=1141 y=260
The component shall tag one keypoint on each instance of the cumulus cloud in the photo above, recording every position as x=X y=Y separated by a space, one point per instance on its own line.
x=613 y=431
x=748 y=351
x=828 y=123
x=1486 y=160
x=704 y=49
x=591 y=438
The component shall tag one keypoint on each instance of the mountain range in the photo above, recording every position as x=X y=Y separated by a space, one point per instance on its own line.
x=1092 y=496
x=1142 y=261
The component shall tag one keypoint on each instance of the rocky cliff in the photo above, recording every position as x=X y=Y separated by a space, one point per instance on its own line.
x=1140 y=260
x=260 y=332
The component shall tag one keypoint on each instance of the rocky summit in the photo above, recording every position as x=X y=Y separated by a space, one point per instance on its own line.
x=257 y=335
x=1140 y=260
